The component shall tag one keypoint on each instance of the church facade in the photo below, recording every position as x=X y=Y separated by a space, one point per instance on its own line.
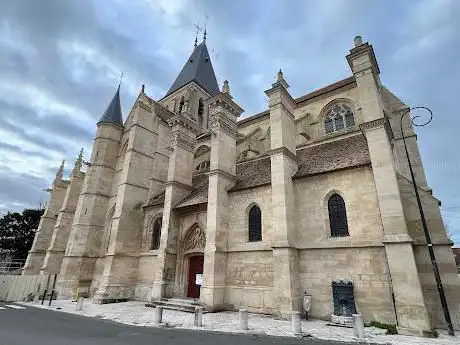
x=184 y=199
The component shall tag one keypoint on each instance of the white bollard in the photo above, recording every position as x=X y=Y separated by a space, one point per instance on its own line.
x=358 y=326
x=158 y=315
x=243 y=315
x=79 y=306
x=198 y=316
x=296 y=325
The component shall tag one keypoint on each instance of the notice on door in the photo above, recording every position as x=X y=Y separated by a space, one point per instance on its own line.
x=199 y=278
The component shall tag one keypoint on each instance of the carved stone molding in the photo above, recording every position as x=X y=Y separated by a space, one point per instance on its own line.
x=144 y=106
x=382 y=122
x=182 y=140
x=194 y=239
x=224 y=102
x=220 y=122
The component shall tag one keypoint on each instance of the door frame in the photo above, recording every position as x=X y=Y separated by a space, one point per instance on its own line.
x=187 y=259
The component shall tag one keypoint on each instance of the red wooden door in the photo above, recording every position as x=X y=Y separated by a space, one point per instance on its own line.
x=195 y=267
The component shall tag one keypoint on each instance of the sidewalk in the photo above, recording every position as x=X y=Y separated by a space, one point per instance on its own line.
x=135 y=313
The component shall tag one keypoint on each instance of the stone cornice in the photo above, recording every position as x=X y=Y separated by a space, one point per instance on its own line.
x=181 y=121
x=223 y=173
x=381 y=122
x=179 y=184
x=182 y=140
x=144 y=106
x=285 y=151
x=278 y=87
x=224 y=100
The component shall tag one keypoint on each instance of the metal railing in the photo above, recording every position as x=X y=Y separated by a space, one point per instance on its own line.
x=11 y=266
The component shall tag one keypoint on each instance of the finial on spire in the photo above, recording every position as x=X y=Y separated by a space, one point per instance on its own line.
x=280 y=80
x=280 y=75
x=121 y=77
x=78 y=162
x=143 y=88
x=60 y=172
x=226 y=87
x=205 y=25
x=198 y=29
x=358 y=41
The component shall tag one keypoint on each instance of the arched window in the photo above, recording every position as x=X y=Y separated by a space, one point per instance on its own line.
x=337 y=216
x=181 y=104
x=156 y=234
x=255 y=224
x=338 y=117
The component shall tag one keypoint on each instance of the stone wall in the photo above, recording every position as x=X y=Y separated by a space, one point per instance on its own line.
x=250 y=280
x=147 y=268
x=365 y=267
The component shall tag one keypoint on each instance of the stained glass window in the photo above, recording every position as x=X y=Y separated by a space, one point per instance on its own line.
x=255 y=224
x=337 y=216
x=338 y=117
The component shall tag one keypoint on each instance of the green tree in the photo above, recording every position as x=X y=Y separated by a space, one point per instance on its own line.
x=17 y=232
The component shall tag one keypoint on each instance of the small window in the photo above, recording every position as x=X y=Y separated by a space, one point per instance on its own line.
x=337 y=216
x=156 y=234
x=255 y=224
x=338 y=117
x=181 y=104
x=200 y=107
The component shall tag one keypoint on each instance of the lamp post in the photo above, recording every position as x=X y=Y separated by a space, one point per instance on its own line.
x=437 y=277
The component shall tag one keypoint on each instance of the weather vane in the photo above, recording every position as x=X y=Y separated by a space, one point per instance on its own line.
x=198 y=30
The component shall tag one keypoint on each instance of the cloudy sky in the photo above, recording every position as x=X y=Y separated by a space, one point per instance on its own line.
x=60 y=62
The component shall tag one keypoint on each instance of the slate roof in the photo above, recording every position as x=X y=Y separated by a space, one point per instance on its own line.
x=113 y=112
x=351 y=152
x=335 y=155
x=198 y=68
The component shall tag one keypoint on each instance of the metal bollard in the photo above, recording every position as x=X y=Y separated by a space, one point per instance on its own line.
x=158 y=315
x=243 y=315
x=198 y=316
x=296 y=325
x=79 y=306
x=358 y=326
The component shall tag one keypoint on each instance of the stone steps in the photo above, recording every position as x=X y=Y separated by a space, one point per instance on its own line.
x=179 y=304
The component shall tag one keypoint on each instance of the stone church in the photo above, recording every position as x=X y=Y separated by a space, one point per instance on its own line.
x=188 y=199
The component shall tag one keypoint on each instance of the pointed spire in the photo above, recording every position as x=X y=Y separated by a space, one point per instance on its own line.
x=60 y=172
x=198 y=69
x=113 y=112
x=196 y=41
x=78 y=162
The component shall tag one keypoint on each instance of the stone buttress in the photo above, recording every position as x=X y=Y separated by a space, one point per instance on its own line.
x=44 y=233
x=410 y=308
x=56 y=250
x=283 y=167
x=222 y=176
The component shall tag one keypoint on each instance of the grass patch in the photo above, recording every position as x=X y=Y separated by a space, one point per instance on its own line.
x=391 y=329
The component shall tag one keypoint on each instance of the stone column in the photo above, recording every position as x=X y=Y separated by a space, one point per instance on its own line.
x=410 y=306
x=223 y=116
x=56 y=250
x=178 y=186
x=44 y=232
x=90 y=215
x=283 y=167
x=120 y=268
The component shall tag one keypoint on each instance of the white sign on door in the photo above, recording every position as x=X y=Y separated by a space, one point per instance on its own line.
x=199 y=278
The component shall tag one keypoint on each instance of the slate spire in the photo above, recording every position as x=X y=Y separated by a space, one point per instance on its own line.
x=198 y=68
x=113 y=112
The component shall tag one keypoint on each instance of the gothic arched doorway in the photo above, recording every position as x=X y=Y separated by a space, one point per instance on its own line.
x=195 y=275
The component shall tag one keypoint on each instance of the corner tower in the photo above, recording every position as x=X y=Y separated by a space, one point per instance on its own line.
x=90 y=215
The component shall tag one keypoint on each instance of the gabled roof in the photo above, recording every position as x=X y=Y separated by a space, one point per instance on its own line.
x=198 y=68
x=113 y=112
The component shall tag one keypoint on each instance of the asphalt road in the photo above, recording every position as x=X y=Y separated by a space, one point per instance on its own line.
x=34 y=326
